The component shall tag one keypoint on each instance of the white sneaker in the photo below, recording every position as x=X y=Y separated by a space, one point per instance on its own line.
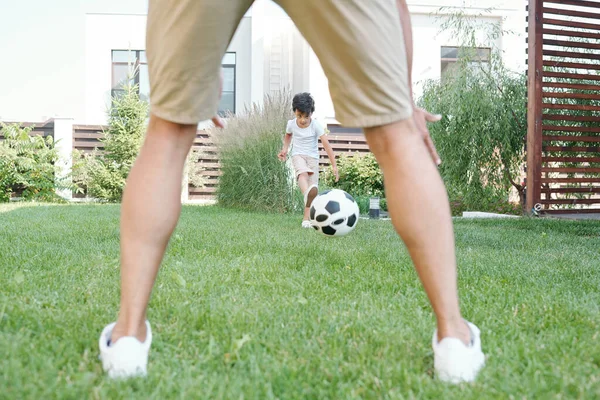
x=306 y=224
x=453 y=361
x=310 y=195
x=128 y=357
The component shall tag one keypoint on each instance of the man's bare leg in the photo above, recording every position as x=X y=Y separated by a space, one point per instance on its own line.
x=150 y=211
x=420 y=212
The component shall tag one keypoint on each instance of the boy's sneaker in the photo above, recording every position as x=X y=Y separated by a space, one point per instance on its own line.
x=453 y=361
x=306 y=224
x=128 y=357
x=310 y=195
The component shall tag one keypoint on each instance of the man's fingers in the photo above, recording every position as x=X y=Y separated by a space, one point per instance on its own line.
x=218 y=122
x=432 y=150
x=216 y=119
x=432 y=117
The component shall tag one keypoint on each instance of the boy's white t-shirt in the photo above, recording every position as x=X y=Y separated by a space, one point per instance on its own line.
x=305 y=141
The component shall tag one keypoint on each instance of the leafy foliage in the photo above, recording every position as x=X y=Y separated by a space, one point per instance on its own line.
x=482 y=134
x=28 y=165
x=360 y=175
x=102 y=174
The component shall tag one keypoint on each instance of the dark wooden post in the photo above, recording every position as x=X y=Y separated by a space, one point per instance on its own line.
x=534 y=104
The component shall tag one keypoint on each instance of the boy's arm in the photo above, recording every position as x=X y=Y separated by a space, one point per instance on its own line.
x=331 y=156
x=286 y=145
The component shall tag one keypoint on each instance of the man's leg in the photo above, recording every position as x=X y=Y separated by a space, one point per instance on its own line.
x=149 y=213
x=420 y=212
x=185 y=43
x=150 y=210
x=422 y=219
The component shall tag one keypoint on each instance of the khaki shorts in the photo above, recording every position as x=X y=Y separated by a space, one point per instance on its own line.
x=307 y=164
x=359 y=44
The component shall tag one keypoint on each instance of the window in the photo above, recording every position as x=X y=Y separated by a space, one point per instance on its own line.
x=132 y=66
x=227 y=103
x=451 y=55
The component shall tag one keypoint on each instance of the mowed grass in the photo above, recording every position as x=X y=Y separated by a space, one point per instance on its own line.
x=251 y=306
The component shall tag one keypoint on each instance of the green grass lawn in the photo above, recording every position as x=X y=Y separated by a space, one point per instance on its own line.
x=251 y=306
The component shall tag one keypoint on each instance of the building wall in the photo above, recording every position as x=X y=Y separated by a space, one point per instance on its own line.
x=59 y=53
x=42 y=71
x=104 y=33
x=107 y=32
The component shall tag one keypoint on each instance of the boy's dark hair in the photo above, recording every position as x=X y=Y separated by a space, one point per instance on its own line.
x=304 y=103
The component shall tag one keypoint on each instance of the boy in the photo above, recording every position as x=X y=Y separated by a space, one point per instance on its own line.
x=303 y=133
x=366 y=53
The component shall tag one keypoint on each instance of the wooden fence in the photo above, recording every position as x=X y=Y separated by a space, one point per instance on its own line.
x=211 y=169
x=86 y=138
x=563 y=138
x=42 y=128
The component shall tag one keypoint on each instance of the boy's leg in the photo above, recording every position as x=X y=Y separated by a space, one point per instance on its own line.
x=312 y=184
x=363 y=55
x=304 y=183
x=305 y=177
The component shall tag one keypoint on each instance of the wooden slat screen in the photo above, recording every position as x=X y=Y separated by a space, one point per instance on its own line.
x=563 y=158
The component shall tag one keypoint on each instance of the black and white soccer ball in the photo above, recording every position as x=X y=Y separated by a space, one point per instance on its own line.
x=334 y=213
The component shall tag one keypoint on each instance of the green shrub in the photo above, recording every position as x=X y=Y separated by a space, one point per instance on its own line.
x=102 y=174
x=28 y=165
x=360 y=175
x=482 y=134
x=252 y=177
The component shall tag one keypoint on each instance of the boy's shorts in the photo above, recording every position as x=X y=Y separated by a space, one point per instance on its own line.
x=359 y=44
x=307 y=164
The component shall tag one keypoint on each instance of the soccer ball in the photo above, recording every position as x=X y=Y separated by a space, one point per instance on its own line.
x=334 y=213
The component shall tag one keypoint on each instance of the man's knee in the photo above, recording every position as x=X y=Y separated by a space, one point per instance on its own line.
x=176 y=134
x=161 y=125
x=386 y=140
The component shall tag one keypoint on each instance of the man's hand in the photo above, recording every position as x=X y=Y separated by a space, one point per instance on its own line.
x=282 y=155
x=335 y=173
x=218 y=122
x=421 y=118
x=216 y=119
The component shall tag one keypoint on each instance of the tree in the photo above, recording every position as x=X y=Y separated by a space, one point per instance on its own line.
x=482 y=134
x=102 y=174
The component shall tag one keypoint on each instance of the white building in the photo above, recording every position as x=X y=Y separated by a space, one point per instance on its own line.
x=63 y=58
